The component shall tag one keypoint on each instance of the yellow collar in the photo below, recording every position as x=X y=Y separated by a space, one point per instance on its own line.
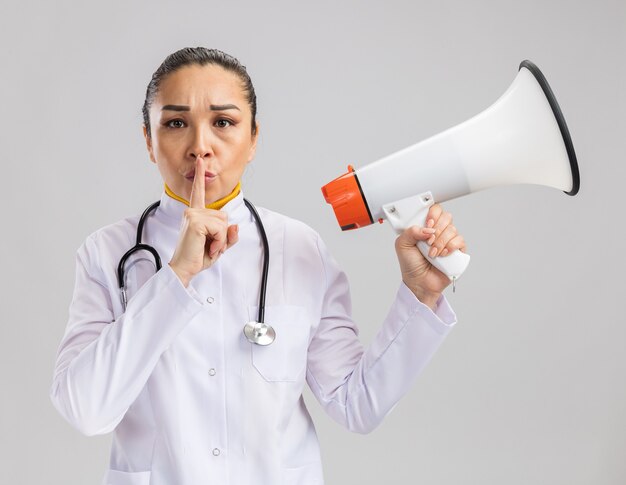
x=217 y=205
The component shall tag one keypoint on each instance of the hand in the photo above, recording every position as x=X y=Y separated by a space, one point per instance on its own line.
x=424 y=280
x=204 y=234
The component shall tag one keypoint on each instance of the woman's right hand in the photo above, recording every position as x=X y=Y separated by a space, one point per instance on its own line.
x=204 y=235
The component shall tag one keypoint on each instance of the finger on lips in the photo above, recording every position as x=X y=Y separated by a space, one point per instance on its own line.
x=196 y=200
x=224 y=237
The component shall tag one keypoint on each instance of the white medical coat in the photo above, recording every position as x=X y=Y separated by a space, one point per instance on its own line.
x=189 y=400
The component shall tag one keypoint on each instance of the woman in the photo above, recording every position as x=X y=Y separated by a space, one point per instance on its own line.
x=189 y=399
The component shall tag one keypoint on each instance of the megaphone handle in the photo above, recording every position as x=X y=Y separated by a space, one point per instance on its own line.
x=413 y=211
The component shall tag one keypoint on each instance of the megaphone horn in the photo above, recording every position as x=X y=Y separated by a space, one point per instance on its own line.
x=521 y=138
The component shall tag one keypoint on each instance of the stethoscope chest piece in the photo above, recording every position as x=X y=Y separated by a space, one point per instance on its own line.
x=259 y=333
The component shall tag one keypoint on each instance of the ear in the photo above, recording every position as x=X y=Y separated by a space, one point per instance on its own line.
x=255 y=139
x=148 y=144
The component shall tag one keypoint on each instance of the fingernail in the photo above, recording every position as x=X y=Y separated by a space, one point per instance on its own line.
x=431 y=222
x=432 y=253
x=429 y=230
x=431 y=240
x=444 y=252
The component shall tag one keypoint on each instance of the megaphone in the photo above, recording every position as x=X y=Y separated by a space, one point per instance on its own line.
x=520 y=139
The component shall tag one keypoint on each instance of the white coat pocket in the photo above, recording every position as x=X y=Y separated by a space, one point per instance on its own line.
x=116 y=477
x=284 y=360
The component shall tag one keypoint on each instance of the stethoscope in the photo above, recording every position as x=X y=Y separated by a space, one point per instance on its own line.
x=257 y=332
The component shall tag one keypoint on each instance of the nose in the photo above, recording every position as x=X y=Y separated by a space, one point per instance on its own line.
x=201 y=143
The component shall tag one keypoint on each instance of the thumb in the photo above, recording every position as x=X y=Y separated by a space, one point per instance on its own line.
x=411 y=235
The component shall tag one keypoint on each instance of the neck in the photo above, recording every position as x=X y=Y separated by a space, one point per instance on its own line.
x=217 y=205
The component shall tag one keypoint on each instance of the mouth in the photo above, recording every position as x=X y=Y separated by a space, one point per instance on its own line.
x=207 y=175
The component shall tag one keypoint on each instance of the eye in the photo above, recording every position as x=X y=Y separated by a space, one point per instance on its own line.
x=223 y=123
x=170 y=124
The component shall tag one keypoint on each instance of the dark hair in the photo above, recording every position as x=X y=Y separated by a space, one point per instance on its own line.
x=200 y=56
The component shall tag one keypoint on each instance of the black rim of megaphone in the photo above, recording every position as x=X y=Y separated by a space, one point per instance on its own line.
x=567 y=139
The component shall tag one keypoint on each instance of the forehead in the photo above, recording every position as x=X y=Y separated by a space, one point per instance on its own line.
x=197 y=86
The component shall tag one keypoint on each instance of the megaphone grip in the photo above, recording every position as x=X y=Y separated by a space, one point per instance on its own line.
x=453 y=265
x=413 y=211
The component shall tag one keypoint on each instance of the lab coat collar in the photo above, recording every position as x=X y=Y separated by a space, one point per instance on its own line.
x=173 y=209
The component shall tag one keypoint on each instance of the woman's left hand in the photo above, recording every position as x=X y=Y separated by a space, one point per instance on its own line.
x=424 y=280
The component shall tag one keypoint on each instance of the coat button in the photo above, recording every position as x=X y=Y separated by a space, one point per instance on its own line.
x=211 y=372
x=210 y=299
x=216 y=451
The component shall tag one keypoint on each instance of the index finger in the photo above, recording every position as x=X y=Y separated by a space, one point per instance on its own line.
x=433 y=213
x=196 y=199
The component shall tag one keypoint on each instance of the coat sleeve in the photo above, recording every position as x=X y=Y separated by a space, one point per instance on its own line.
x=103 y=363
x=358 y=387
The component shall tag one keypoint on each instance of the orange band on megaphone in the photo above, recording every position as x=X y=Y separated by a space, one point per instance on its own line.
x=345 y=195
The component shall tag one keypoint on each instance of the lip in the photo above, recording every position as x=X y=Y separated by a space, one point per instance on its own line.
x=207 y=175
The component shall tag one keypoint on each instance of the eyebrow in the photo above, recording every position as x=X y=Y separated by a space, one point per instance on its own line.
x=213 y=107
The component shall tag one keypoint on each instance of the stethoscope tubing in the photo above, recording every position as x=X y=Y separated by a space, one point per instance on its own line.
x=266 y=260
x=139 y=246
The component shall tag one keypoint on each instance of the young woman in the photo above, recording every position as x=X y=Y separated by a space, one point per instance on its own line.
x=190 y=397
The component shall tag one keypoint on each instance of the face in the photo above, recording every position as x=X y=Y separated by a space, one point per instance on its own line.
x=201 y=111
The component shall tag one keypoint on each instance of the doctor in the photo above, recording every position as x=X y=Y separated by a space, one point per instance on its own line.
x=188 y=398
